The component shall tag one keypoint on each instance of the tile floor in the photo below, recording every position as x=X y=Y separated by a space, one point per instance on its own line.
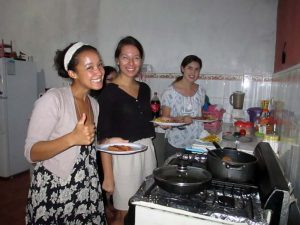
x=13 y=196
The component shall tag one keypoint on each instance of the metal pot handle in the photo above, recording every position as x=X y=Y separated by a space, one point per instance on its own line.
x=231 y=99
x=234 y=167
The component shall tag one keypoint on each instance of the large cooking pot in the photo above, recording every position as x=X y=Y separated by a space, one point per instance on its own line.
x=182 y=179
x=231 y=164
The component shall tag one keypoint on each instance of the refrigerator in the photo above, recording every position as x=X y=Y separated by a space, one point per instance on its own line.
x=18 y=92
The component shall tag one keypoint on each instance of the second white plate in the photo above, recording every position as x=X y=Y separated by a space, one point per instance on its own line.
x=135 y=148
x=168 y=124
x=205 y=120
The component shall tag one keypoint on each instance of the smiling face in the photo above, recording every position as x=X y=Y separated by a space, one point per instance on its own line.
x=89 y=70
x=129 y=60
x=191 y=71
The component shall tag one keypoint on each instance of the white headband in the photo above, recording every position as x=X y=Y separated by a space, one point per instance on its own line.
x=69 y=54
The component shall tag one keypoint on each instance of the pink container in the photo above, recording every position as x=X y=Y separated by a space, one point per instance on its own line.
x=213 y=112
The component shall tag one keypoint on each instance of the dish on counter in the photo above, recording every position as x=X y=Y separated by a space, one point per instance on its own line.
x=209 y=138
x=121 y=148
x=167 y=122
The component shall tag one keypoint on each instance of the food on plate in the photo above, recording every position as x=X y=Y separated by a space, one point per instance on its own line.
x=164 y=120
x=119 y=148
x=199 y=118
x=211 y=138
x=204 y=117
x=209 y=117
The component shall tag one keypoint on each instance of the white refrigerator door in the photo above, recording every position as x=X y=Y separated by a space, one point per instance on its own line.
x=4 y=162
x=21 y=92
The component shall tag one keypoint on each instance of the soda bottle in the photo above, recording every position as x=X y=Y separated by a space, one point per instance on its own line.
x=155 y=106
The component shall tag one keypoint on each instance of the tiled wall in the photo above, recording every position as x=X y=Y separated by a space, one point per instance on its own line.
x=283 y=87
x=286 y=93
x=219 y=87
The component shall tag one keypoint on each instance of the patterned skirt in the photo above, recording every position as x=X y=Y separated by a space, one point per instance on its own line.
x=74 y=200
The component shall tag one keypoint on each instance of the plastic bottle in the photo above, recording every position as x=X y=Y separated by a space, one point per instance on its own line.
x=273 y=140
x=262 y=125
x=155 y=106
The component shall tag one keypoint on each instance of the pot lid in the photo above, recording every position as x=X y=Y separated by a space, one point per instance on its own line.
x=183 y=175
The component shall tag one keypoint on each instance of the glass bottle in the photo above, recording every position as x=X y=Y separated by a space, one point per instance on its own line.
x=155 y=106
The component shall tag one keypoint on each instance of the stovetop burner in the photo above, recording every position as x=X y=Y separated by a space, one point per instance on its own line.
x=226 y=201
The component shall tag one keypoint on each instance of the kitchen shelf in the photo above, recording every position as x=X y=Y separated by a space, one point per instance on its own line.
x=6 y=50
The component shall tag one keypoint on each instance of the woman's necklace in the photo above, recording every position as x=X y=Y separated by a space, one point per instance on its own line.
x=78 y=111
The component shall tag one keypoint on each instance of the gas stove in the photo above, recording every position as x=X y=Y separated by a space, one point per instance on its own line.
x=221 y=201
x=264 y=200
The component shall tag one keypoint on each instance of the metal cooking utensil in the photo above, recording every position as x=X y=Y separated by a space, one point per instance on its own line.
x=213 y=153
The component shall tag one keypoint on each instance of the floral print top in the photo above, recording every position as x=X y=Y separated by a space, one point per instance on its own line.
x=181 y=105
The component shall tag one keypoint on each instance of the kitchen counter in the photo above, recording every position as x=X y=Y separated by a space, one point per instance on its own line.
x=245 y=147
x=241 y=145
x=160 y=140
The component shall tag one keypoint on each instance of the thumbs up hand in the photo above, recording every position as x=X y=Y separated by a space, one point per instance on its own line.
x=83 y=133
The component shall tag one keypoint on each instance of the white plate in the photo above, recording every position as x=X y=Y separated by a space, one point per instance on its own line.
x=205 y=120
x=135 y=148
x=170 y=124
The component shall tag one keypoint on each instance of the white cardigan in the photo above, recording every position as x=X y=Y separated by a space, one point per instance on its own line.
x=53 y=116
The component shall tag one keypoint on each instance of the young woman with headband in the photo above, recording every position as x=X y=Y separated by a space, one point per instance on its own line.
x=65 y=187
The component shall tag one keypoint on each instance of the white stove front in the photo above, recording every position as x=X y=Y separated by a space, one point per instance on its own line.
x=147 y=213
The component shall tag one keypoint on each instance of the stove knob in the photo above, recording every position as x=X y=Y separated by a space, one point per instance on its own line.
x=201 y=158
x=192 y=156
x=178 y=154
x=185 y=156
x=197 y=157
